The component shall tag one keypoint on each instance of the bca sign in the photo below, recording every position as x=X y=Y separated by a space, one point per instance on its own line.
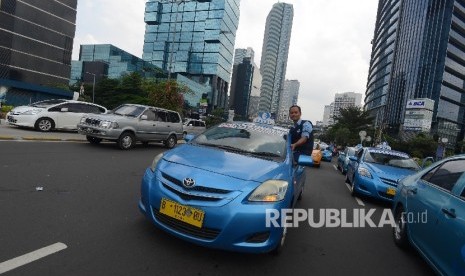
x=420 y=104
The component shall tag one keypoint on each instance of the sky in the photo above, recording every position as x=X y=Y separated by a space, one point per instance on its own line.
x=329 y=50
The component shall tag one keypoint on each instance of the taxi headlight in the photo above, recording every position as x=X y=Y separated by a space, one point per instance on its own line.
x=270 y=191
x=364 y=172
x=155 y=162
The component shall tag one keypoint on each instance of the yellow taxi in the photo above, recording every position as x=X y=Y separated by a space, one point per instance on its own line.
x=317 y=155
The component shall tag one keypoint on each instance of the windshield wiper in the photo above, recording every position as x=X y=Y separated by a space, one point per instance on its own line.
x=264 y=153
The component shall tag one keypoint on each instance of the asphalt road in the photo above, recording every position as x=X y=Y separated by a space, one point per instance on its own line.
x=85 y=197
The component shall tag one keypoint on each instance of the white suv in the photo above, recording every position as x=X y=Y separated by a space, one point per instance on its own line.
x=52 y=114
x=193 y=126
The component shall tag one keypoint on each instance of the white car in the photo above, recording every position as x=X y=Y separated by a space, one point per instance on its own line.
x=193 y=126
x=52 y=114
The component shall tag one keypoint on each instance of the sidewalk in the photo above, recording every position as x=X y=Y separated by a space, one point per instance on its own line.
x=14 y=133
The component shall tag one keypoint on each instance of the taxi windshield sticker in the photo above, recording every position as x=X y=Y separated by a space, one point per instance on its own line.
x=257 y=128
x=388 y=152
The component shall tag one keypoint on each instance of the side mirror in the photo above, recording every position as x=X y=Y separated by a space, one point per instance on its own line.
x=353 y=158
x=305 y=160
x=143 y=117
x=189 y=137
x=64 y=109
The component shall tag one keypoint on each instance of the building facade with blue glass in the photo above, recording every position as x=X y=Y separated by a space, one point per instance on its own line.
x=418 y=52
x=194 y=39
x=107 y=61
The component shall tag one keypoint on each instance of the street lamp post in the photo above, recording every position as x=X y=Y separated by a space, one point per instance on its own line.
x=93 y=86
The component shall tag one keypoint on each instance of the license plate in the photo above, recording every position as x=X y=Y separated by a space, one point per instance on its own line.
x=181 y=212
x=391 y=191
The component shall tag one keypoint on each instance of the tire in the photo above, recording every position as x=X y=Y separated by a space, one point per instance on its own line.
x=279 y=248
x=126 y=141
x=300 y=194
x=94 y=140
x=170 y=142
x=353 y=192
x=44 y=124
x=399 y=232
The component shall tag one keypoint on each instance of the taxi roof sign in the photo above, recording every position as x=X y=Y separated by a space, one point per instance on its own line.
x=264 y=118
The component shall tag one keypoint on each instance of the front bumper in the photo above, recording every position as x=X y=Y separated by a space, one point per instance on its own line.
x=21 y=120
x=374 y=188
x=103 y=133
x=236 y=225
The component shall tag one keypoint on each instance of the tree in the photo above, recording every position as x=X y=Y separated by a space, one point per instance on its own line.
x=216 y=117
x=349 y=123
x=166 y=94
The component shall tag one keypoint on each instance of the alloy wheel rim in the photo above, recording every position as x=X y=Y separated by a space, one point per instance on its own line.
x=45 y=125
x=127 y=141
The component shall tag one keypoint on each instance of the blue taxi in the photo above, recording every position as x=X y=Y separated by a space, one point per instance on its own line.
x=375 y=172
x=219 y=188
x=429 y=210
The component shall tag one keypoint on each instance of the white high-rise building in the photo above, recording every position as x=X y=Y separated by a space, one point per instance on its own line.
x=288 y=97
x=341 y=101
x=275 y=52
x=240 y=54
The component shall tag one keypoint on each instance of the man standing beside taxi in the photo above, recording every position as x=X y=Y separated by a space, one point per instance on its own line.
x=301 y=133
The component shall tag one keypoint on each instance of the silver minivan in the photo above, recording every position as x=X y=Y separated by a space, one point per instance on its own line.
x=129 y=123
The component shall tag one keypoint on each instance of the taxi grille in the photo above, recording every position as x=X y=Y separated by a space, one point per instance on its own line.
x=182 y=227
x=385 y=195
x=186 y=196
x=389 y=181
x=178 y=182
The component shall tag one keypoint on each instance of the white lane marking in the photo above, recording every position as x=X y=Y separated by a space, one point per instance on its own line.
x=335 y=167
x=359 y=201
x=30 y=257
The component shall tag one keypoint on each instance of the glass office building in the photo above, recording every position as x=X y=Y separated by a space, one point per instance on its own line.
x=36 y=41
x=275 y=52
x=194 y=39
x=108 y=61
x=419 y=52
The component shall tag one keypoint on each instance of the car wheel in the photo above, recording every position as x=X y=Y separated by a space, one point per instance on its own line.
x=353 y=192
x=93 y=140
x=126 y=141
x=300 y=194
x=170 y=142
x=44 y=124
x=399 y=232
x=279 y=248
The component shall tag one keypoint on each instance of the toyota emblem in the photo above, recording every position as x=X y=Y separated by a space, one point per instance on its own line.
x=188 y=182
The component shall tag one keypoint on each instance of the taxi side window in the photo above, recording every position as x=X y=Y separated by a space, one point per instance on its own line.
x=446 y=175
x=150 y=115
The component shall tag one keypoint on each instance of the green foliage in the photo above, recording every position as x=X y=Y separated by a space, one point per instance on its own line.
x=216 y=117
x=421 y=146
x=169 y=95
x=6 y=108
x=348 y=124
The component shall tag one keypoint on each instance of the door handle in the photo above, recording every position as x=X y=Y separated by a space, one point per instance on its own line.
x=450 y=213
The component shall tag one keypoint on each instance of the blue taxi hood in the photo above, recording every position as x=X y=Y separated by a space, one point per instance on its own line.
x=388 y=172
x=225 y=163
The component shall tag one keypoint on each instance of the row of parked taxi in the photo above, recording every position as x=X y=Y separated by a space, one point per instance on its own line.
x=125 y=125
x=428 y=202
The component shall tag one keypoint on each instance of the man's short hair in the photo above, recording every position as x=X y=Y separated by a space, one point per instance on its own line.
x=298 y=107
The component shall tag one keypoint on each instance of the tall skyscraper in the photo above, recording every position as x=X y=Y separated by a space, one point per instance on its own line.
x=288 y=97
x=36 y=41
x=418 y=52
x=240 y=54
x=275 y=52
x=196 y=40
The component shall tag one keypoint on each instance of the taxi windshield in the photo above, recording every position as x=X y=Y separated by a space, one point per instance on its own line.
x=246 y=138
x=391 y=159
